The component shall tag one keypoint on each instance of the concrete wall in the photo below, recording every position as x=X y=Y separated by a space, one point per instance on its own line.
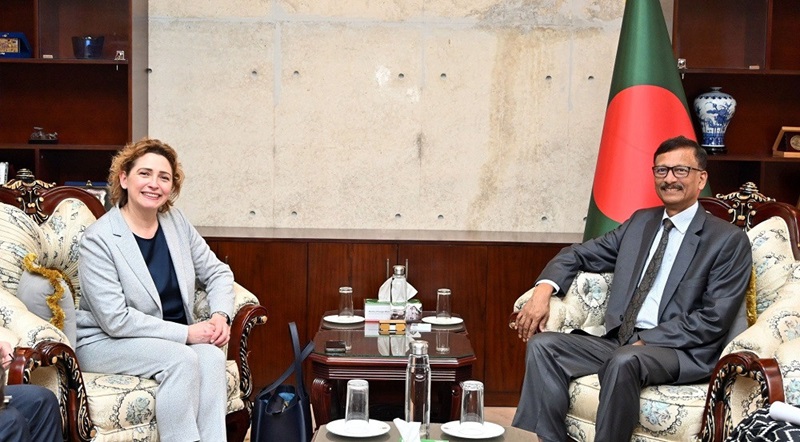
x=397 y=114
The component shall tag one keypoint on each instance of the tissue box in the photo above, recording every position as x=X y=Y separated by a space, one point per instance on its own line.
x=375 y=310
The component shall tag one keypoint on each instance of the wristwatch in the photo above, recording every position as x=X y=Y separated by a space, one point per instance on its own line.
x=225 y=315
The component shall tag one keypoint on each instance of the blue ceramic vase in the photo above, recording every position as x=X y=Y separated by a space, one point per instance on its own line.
x=714 y=110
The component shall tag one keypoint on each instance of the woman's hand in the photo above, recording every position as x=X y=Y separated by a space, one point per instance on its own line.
x=222 y=331
x=201 y=333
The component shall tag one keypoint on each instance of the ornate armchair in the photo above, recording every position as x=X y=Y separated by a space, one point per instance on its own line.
x=41 y=222
x=760 y=365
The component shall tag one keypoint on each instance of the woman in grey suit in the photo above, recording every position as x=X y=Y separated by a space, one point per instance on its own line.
x=138 y=269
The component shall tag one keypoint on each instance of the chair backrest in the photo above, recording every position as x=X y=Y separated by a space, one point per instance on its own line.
x=747 y=207
x=38 y=199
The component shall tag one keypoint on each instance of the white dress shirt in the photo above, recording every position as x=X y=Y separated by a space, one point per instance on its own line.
x=648 y=315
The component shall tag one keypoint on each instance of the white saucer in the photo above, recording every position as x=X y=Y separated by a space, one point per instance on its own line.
x=372 y=429
x=336 y=319
x=490 y=430
x=442 y=321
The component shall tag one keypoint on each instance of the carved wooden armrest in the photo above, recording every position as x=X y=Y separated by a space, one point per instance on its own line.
x=717 y=423
x=75 y=419
x=242 y=325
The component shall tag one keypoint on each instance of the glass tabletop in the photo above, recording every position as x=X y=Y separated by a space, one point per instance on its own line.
x=362 y=340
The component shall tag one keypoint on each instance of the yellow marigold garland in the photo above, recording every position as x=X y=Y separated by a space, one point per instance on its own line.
x=54 y=299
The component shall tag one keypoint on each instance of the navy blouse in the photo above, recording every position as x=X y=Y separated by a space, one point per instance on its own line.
x=156 y=254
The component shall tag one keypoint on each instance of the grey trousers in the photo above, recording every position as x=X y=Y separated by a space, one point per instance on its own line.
x=554 y=359
x=191 y=400
x=31 y=416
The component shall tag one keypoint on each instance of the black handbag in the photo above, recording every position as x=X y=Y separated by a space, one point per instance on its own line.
x=282 y=412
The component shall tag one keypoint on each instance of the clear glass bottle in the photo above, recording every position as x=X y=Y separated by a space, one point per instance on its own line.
x=398 y=291
x=418 y=387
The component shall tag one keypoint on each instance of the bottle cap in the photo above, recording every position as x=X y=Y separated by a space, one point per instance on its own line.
x=345 y=290
x=419 y=348
x=399 y=270
x=443 y=292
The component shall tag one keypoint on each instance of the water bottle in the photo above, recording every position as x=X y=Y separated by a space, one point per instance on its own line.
x=398 y=292
x=418 y=387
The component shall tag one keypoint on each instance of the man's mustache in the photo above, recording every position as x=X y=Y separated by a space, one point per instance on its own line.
x=676 y=186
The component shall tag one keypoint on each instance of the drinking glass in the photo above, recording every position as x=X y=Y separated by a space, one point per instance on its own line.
x=357 y=403
x=471 y=407
x=443 y=303
x=442 y=341
x=346 y=301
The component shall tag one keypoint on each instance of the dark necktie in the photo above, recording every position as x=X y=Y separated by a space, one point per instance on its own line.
x=640 y=294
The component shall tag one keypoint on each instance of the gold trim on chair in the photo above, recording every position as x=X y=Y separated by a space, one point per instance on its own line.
x=30 y=199
x=742 y=204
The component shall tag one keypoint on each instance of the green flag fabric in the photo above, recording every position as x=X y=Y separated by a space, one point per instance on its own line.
x=646 y=105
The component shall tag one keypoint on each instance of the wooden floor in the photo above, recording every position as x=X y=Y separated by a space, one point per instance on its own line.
x=497 y=415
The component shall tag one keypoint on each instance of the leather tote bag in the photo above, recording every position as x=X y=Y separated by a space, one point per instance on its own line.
x=282 y=412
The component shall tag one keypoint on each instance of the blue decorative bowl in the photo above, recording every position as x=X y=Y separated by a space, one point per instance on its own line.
x=87 y=47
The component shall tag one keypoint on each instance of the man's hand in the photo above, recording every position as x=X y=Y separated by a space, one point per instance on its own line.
x=6 y=354
x=533 y=317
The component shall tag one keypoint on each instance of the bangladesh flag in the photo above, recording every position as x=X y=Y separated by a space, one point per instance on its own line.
x=646 y=105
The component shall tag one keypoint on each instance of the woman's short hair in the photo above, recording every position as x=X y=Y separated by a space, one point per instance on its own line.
x=123 y=162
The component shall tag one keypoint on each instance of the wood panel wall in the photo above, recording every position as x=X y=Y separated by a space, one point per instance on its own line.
x=298 y=280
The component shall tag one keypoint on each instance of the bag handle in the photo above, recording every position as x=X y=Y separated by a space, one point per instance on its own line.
x=297 y=366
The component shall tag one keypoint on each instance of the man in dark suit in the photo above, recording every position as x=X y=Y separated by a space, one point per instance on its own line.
x=31 y=413
x=672 y=301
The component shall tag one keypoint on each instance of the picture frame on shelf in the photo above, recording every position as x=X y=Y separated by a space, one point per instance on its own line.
x=14 y=45
x=787 y=144
x=99 y=189
x=4 y=166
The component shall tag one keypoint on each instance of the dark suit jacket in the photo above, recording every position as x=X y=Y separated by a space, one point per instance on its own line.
x=704 y=290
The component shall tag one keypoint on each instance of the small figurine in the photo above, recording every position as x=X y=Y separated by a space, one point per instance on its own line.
x=40 y=137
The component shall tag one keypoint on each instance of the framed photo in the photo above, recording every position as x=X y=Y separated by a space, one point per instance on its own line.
x=14 y=45
x=3 y=172
x=788 y=143
x=97 y=188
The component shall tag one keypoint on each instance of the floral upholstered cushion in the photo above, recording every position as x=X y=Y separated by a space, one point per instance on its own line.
x=583 y=306
x=774 y=335
x=668 y=412
x=773 y=259
x=37 y=293
x=123 y=407
x=19 y=236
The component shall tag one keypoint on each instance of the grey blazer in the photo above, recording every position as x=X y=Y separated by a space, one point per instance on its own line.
x=119 y=298
x=704 y=290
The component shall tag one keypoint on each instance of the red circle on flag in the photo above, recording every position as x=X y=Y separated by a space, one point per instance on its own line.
x=638 y=120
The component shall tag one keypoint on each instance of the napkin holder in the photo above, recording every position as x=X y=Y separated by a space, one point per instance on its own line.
x=392 y=327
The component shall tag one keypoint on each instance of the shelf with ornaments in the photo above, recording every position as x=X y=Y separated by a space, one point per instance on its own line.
x=748 y=49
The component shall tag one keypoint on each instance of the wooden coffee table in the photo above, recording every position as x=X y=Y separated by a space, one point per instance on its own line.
x=511 y=434
x=382 y=360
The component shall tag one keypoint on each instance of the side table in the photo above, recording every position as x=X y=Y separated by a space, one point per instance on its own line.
x=384 y=358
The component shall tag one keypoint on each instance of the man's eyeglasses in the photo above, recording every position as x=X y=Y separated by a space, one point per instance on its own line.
x=678 y=171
